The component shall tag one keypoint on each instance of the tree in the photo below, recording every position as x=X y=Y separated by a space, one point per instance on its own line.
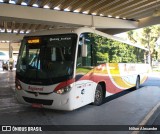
x=146 y=37
x=108 y=50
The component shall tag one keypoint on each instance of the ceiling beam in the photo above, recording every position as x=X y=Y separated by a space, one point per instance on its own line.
x=141 y=9
x=27 y=14
x=31 y=2
x=58 y=3
x=149 y=21
x=115 y=7
x=133 y=5
x=13 y=26
x=11 y=37
x=68 y=4
x=52 y=18
x=80 y=5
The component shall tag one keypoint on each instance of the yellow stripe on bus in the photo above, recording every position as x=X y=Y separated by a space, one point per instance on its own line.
x=115 y=74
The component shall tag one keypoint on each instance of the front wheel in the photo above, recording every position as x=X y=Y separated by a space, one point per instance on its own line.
x=99 y=96
x=138 y=83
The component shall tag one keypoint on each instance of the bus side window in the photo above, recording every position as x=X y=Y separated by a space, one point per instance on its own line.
x=84 y=61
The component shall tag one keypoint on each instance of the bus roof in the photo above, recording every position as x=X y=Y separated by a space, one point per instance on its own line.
x=79 y=31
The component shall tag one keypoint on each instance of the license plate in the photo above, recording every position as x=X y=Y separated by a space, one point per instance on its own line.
x=37 y=105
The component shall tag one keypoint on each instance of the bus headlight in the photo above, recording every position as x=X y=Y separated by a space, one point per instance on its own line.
x=18 y=85
x=63 y=90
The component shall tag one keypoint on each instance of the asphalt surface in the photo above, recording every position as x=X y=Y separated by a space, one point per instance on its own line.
x=153 y=80
x=115 y=111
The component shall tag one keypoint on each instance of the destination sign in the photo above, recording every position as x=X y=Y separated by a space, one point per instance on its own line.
x=33 y=41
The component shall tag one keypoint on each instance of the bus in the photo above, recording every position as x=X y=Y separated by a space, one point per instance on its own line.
x=66 y=69
x=4 y=59
x=4 y=56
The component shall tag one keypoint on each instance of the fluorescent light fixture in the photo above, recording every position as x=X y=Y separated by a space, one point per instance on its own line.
x=85 y=12
x=46 y=6
x=94 y=13
x=27 y=31
x=124 y=18
x=12 y=2
x=1 y=1
x=24 y=4
x=7 y=41
x=101 y=14
x=76 y=11
x=35 y=5
x=117 y=17
x=56 y=8
x=9 y=30
x=21 y=31
x=67 y=9
x=15 y=31
x=3 y=41
x=109 y=16
x=2 y=30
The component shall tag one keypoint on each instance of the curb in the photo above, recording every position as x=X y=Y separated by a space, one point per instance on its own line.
x=149 y=119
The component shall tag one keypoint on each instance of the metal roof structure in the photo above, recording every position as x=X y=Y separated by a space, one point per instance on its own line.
x=18 y=17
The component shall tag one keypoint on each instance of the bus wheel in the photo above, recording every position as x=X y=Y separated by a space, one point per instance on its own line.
x=99 y=96
x=138 y=82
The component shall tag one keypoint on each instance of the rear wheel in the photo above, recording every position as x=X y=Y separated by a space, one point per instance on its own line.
x=138 y=82
x=99 y=95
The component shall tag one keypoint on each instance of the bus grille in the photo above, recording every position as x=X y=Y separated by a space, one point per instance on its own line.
x=38 y=101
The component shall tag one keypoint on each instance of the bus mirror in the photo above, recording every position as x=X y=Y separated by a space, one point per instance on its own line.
x=84 y=50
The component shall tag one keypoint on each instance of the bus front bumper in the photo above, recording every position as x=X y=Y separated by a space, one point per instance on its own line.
x=51 y=101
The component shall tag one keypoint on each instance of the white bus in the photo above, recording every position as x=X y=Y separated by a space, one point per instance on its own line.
x=68 y=68
x=4 y=58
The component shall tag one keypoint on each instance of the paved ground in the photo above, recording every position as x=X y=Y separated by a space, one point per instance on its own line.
x=116 y=110
x=153 y=79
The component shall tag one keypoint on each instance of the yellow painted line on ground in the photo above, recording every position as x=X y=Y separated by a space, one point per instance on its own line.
x=145 y=120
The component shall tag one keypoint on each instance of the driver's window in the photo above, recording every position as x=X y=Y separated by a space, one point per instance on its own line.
x=84 y=64
x=53 y=54
x=84 y=61
x=23 y=61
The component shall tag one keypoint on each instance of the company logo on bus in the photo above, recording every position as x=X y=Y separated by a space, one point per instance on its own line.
x=35 y=88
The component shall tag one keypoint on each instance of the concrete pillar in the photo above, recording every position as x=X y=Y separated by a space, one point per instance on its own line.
x=11 y=61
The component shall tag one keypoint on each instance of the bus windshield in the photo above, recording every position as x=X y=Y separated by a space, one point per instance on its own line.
x=46 y=59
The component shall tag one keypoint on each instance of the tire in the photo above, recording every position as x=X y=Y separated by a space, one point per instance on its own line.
x=99 y=96
x=138 y=83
